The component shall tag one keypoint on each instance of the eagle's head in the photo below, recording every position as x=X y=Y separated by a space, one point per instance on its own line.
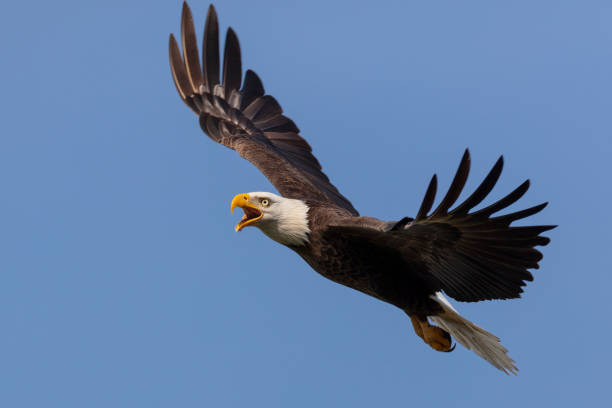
x=285 y=220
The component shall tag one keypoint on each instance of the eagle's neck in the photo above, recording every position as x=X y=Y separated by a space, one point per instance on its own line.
x=289 y=226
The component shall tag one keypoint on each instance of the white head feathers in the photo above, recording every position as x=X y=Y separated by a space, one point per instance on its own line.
x=285 y=220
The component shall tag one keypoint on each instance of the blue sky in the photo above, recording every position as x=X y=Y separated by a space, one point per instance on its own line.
x=124 y=284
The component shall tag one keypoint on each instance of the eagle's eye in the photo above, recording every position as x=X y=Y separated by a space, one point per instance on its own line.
x=265 y=202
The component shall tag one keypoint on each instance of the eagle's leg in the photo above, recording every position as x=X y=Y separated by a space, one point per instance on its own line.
x=437 y=338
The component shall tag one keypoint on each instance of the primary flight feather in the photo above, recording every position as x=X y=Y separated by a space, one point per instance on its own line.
x=469 y=255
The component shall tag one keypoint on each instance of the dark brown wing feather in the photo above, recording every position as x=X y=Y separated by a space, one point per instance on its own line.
x=471 y=256
x=246 y=119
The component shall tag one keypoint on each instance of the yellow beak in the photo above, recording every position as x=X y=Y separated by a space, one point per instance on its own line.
x=251 y=212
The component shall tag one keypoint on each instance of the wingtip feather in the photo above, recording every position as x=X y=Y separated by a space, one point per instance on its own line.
x=190 y=49
x=232 y=63
x=428 y=199
x=456 y=185
x=210 y=50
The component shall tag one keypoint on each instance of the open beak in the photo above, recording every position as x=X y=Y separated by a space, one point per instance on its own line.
x=251 y=213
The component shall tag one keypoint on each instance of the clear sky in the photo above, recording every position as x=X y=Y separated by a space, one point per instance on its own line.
x=123 y=283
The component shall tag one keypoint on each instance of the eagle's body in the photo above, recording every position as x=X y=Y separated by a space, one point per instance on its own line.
x=470 y=255
x=358 y=266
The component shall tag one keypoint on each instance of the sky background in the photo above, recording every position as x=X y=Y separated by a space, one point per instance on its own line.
x=123 y=283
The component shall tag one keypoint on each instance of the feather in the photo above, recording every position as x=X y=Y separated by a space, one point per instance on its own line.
x=232 y=65
x=210 y=50
x=504 y=202
x=482 y=191
x=456 y=186
x=190 y=50
x=472 y=337
x=428 y=200
x=179 y=75
x=251 y=89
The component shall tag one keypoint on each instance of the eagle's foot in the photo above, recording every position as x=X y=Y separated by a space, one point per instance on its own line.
x=438 y=339
x=434 y=336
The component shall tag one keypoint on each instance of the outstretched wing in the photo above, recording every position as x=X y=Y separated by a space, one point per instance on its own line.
x=246 y=120
x=472 y=256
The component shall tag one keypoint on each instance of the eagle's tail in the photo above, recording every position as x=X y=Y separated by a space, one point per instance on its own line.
x=472 y=337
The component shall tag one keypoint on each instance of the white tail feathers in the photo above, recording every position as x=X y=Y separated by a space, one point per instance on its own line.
x=472 y=337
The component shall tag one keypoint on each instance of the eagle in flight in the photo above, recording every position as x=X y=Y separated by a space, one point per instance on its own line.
x=468 y=254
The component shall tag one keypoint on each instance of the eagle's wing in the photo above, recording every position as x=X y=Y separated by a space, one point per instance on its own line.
x=246 y=120
x=472 y=256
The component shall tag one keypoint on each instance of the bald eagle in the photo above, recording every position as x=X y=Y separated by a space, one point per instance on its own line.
x=470 y=255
